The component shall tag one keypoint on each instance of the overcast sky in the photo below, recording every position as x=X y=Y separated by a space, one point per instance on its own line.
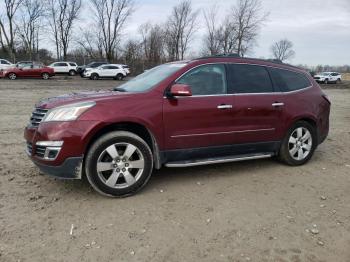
x=319 y=29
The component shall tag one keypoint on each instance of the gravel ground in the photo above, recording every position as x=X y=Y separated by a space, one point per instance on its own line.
x=250 y=211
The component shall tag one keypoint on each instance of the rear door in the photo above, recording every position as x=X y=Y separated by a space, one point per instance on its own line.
x=203 y=119
x=257 y=107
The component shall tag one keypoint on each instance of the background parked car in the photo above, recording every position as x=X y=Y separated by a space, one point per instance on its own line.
x=24 y=63
x=81 y=69
x=114 y=71
x=4 y=64
x=31 y=71
x=328 y=77
x=127 y=69
x=65 y=68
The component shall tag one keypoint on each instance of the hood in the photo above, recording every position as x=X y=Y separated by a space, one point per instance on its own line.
x=73 y=98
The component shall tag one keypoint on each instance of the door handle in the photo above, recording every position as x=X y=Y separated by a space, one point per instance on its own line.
x=277 y=104
x=225 y=106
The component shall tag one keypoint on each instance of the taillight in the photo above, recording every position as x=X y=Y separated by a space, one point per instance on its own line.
x=326 y=98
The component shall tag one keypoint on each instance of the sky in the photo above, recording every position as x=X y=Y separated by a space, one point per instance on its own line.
x=319 y=29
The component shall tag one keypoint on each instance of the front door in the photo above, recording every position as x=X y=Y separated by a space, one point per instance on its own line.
x=204 y=119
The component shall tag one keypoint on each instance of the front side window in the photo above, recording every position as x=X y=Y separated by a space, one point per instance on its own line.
x=206 y=80
x=4 y=62
x=288 y=81
x=248 y=79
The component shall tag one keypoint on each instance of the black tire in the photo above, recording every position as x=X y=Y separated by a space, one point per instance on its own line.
x=45 y=76
x=119 y=77
x=284 y=153
x=72 y=72
x=338 y=81
x=326 y=81
x=12 y=76
x=99 y=148
x=94 y=77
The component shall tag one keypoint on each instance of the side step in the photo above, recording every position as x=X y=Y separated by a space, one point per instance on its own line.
x=210 y=161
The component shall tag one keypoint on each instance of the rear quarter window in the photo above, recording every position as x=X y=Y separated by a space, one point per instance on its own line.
x=287 y=81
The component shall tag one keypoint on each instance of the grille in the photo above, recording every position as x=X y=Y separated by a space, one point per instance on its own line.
x=29 y=148
x=40 y=151
x=37 y=116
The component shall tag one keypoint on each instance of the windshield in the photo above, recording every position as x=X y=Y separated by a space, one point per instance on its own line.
x=325 y=74
x=150 y=78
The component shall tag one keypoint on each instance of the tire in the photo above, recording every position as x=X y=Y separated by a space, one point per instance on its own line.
x=326 y=81
x=289 y=153
x=119 y=77
x=45 y=76
x=338 y=81
x=12 y=76
x=115 y=153
x=72 y=72
x=94 y=77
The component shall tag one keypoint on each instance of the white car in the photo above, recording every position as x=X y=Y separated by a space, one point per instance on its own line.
x=106 y=71
x=328 y=77
x=65 y=68
x=4 y=64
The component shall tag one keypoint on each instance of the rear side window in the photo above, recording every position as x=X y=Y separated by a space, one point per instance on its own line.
x=287 y=81
x=206 y=80
x=244 y=79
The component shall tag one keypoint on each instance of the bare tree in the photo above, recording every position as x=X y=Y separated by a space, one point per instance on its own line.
x=111 y=16
x=180 y=28
x=247 y=18
x=212 y=36
x=11 y=8
x=29 y=25
x=62 y=15
x=282 y=50
x=152 y=43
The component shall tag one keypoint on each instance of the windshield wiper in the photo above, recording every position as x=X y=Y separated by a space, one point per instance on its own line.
x=119 y=89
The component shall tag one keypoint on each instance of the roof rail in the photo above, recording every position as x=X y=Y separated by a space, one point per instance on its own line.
x=219 y=56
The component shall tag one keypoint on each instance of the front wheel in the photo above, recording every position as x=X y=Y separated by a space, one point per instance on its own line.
x=45 y=76
x=119 y=77
x=72 y=73
x=94 y=77
x=119 y=164
x=299 y=144
x=12 y=76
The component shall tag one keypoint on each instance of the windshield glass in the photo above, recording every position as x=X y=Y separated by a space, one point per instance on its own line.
x=325 y=74
x=150 y=78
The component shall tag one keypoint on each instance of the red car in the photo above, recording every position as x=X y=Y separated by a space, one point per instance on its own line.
x=204 y=111
x=31 y=71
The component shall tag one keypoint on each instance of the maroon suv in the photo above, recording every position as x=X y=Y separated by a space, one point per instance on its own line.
x=204 y=111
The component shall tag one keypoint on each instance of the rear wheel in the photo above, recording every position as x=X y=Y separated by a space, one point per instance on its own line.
x=72 y=73
x=119 y=164
x=45 y=76
x=338 y=81
x=299 y=144
x=94 y=77
x=12 y=76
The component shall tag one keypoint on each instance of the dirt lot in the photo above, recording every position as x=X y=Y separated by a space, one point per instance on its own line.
x=249 y=211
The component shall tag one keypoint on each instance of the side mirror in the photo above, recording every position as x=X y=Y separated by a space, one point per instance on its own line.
x=180 y=90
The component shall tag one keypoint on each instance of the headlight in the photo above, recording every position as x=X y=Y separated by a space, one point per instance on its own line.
x=68 y=112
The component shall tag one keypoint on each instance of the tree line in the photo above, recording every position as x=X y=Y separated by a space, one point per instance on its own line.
x=26 y=26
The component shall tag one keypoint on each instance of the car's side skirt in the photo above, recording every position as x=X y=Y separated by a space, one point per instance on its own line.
x=210 y=154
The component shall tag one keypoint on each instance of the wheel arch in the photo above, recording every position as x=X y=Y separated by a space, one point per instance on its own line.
x=309 y=119
x=133 y=127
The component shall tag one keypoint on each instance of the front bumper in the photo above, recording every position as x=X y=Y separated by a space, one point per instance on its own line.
x=74 y=137
x=70 y=169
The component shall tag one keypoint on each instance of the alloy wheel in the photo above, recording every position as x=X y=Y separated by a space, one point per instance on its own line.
x=12 y=76
x=120 y=165
x=300 y=143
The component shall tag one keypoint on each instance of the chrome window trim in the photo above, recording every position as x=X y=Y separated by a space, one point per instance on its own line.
x=223 y=133
x=244 y=94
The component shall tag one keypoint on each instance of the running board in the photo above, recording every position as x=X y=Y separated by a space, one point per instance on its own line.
x=210 y=161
